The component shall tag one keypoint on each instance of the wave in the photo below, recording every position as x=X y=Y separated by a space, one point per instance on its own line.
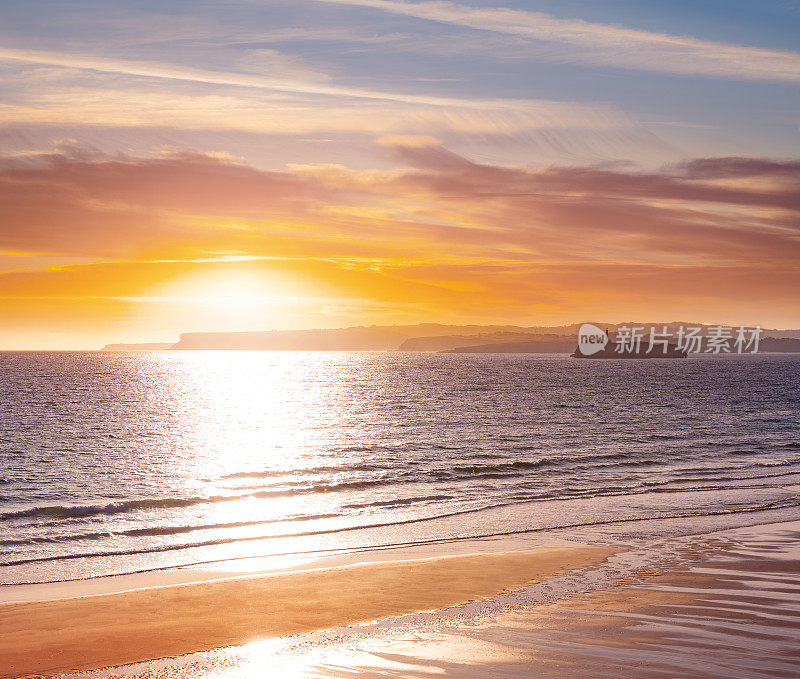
x=78 y=511
x=409 y=476
x=124 y=506
x=307 y=471
x=288 y=489
x=159 y=530
x=705 y=472
x=573 y=494
x=458 y=469
x=397 y=503
x=503 y=466
x=788 y=502
x=225 y=541
x=454 y=474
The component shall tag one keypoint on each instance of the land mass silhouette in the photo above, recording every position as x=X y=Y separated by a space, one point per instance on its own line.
x=424 y=337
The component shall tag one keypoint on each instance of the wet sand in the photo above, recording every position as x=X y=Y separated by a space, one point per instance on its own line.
x=734 y=614
x=89 y=632
x=721 y=606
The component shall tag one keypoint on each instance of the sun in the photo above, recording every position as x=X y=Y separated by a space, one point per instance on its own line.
x=230 y=296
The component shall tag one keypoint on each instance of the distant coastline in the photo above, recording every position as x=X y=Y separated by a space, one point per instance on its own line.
x=144 y=346
x=424 y=337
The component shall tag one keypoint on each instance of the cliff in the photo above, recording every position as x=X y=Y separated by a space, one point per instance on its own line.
x=780 y=345
x=547 y=344
x=361 y=338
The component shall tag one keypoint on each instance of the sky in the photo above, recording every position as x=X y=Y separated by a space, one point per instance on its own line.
x=186 y=165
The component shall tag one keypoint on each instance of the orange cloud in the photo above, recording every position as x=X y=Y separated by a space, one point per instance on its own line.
x=439 y=238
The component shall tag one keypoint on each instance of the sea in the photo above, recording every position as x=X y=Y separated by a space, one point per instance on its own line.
x=120 y=463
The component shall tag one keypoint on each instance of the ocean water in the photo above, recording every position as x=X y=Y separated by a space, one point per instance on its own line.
x=122 y=463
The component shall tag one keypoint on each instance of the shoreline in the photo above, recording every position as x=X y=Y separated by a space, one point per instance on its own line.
x=721 y=605
x=165 y=621
x=249 y=566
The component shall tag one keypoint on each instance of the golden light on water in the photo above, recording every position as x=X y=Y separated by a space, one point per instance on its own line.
x=246 y=426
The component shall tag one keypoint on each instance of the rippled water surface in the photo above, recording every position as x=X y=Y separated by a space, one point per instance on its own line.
x=114 y=463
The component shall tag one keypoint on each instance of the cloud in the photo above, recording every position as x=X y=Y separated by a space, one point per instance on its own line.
x=440 y=237
x=407 y=140
x=578 y=41
x=95 y=92
x=167 y=71
x=463 y=177
x=272 y=63
x=121 y=107
x=734 y=166
x=122 y=206
x=437 y=205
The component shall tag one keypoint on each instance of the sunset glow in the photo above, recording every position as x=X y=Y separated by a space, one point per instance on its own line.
x=366 y=162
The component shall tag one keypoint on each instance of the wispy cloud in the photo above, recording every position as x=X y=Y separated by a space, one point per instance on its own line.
x=93 y=92
x=573 y=40
x=120 y=105
x=166 y=71
x=150 y=69
x=268 y=62
x=97 y=90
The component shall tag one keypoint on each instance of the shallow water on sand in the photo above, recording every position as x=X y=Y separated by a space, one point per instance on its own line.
x=118 y=463
x=721 y=605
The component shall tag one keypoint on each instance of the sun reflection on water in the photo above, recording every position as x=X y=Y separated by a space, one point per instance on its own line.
x=249 y=427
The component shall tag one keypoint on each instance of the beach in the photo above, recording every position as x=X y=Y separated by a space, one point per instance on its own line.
x=724 y=604
x=146 y=623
